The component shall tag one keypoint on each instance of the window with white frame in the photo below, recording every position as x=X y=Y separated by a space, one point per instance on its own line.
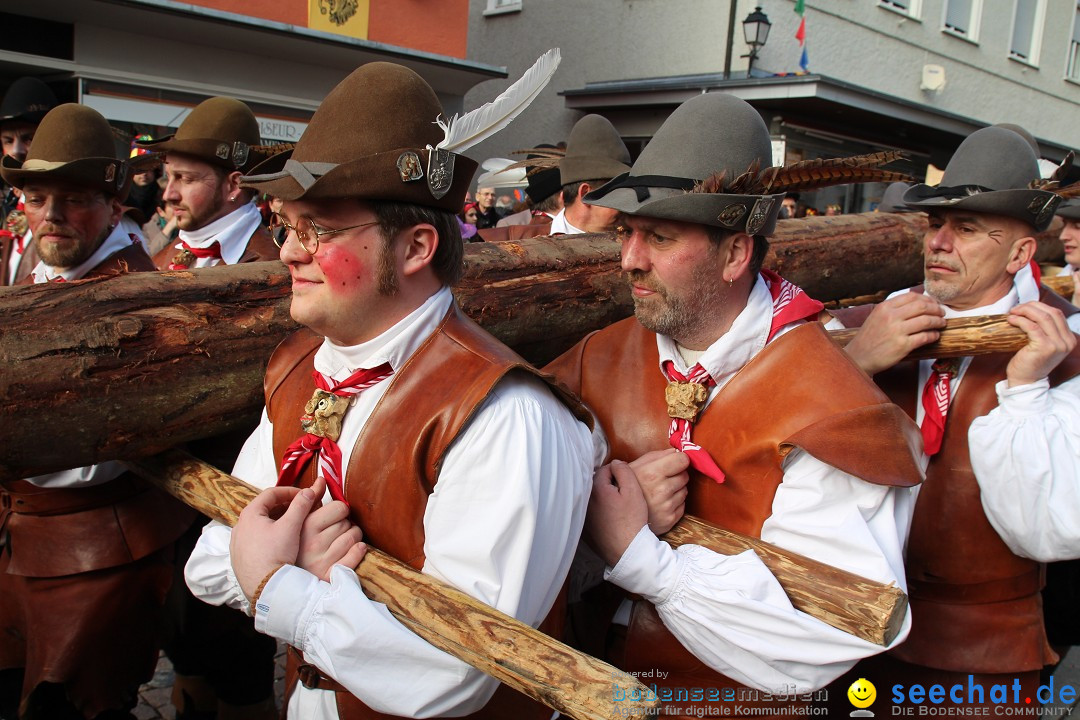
x=1072 y=70
x=909 y=8
x=1028 y=18
x=498 y=7
x=962 y=18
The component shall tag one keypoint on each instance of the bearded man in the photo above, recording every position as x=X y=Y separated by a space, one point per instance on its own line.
x=86 y=556
x=770 y=430
x=218 y=220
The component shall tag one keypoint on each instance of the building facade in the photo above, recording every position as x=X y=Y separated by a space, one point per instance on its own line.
x=145 y=63
x=910 y=75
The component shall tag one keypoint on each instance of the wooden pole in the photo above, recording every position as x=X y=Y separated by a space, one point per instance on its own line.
x=518 y=655
x=1061 y=284
x=863 y=608
x=962 y=337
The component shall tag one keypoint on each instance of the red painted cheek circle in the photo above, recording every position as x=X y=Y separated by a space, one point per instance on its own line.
x=342 y=268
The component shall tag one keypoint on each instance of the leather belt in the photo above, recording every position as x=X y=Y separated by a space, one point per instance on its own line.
x=311 y=677
x=1000 y=590
x=21 y=497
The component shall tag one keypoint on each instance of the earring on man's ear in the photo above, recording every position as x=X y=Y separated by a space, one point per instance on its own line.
x=730 y=282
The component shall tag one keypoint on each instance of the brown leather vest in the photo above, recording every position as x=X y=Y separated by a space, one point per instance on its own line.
x=27 y=261
x=975 y=605
x=260 y=246
x=429 y=401
x=800 y=391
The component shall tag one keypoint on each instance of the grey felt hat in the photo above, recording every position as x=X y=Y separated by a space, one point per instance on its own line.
x=892 y=200
x=594 y=152
x=991 y=172
x=1069 y=209
x=710 y=133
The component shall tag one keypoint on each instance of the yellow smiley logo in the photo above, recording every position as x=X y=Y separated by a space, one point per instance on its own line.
x=862 y=693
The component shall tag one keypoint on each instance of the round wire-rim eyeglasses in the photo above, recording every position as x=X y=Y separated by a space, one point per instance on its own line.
x=307 y=232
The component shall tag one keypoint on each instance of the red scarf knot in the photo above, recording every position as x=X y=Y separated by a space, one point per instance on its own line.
x=321 y=422
x=679 y=431
x=935 y=401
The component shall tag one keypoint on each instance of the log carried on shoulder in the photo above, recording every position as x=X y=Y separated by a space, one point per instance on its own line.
x=518 y=655
x=134 y=364
x=961 y=337
x=864 y=608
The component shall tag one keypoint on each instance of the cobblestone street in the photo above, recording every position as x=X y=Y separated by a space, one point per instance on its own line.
x=154 y=696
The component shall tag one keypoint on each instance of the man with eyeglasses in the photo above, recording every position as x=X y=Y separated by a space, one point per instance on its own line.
x=218 y=220
x=85 y=554
x=424 y=436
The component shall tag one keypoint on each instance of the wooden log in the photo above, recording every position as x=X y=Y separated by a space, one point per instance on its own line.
x=961 y=337
x=864 y=608
x=1061 y=284
x=518 y=655
x=133 y=364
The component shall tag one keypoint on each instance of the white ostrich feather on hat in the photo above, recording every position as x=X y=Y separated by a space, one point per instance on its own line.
x=477 y=125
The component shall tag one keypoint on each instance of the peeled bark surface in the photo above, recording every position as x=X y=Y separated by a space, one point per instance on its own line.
x=134 y=364
x=129 y=365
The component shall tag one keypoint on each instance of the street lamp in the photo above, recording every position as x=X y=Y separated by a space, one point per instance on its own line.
x=756 y=32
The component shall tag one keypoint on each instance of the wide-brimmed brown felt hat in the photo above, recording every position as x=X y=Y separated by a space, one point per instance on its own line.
x=221 y=131
x=594 y=151
x=708 y=134
x=991 y=172
x=75 y=144
x=372 y=138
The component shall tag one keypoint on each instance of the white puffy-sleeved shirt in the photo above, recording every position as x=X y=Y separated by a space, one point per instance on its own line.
x=123 y=235
x=561 y=226
x=730 y=611
x=231 y=232
x=501 y=525
x=1026 y=451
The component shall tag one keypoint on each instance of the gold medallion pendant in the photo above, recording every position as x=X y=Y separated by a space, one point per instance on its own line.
x=183 y=259
x=685 y=399
x=323 y=414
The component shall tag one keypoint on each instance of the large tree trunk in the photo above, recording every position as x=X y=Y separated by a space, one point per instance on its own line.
x=130 y=365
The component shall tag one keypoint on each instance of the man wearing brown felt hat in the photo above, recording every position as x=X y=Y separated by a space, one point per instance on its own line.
x=424 y=436
x=1000 y=430
x=219 y=224
x=218 y=220
x=724 y=398
x=86 y=556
